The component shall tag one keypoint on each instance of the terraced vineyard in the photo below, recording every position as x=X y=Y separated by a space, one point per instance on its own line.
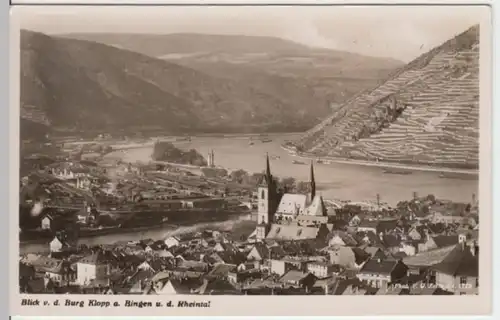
x=426 y=113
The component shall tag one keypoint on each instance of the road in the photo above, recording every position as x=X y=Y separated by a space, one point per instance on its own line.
x=379 y=164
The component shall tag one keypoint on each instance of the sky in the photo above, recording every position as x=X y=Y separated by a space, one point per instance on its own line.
x=399 y=32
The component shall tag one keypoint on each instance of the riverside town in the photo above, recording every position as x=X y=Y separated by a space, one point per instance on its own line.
x=216 y=166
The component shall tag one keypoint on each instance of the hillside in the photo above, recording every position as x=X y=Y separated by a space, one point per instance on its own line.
x=425 y=113
x=74 y=86
x=294 y=72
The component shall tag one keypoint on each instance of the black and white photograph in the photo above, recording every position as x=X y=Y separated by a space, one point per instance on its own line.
x=251 y=151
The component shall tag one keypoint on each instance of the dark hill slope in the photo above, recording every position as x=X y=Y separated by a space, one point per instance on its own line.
x=296 y=74
x=427 y=112
x=76 y=86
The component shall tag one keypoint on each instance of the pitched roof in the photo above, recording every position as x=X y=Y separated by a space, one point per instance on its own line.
x=183 y=286
x=216 y=286
x=64 y=267
x=460 y=262
x=346 y=237
x=386 y=225
x=294 y=275
x=290 y=203
x=372 y=250
x=445 y=241
x=316 y=208
x=360 y=255
x=379 y=266
x=368 y=224
x=391 y=241
x=428 y=258
x=222 y=269
x=94 y=259
x=262 y=250
x=292 y=232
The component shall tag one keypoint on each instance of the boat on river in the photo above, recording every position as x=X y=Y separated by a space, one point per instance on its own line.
x=457 y=176
x=298 y=162
x=397 y=171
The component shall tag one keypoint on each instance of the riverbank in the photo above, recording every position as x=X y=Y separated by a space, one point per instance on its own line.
x=134 y=230
x=159 y=233
x=380 y=164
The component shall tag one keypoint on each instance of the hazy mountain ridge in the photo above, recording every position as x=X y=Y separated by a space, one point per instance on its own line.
x=427 y=112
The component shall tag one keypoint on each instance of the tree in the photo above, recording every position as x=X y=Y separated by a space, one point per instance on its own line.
x=166 y=151
x=239 y=176
x=303 y=187
x=289 y=183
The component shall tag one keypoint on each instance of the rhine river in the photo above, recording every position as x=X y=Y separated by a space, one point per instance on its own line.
x=334 y=181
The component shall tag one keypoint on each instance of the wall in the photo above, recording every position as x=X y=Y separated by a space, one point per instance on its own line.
x=85 y=273
x=452 y=284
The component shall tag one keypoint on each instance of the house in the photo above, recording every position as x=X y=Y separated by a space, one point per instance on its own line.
x=62 y=274
x=391 y=242
x=154 y=265
x=354 y=221
x=221 y=270
x=298 y=278
x=367 y=226
x=86 y=215
x=216 y=287
x=246 y=266
x=224 y=247
x=375 y=252
x=341 y=238
x=175 y=286
x=458 y=272
x=62 y=243
x=46 y=222
x=261 y=251
x=347 y=257
x=93 y=268
x=408 y=247
x=422 y=261
x=418 y=232
x=437 y=242
x=380 y=273
x=172 y=242
x=280 y=267
x=369 y=238
x=439 y=217
x=320 y=269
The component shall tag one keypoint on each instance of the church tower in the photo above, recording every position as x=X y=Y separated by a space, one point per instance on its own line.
x=313 y=183
x=267 y=202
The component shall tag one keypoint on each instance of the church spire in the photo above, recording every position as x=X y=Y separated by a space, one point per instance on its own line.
x=313 y=182
x=268 y=169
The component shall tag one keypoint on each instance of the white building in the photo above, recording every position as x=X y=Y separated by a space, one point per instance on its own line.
x=92 y=268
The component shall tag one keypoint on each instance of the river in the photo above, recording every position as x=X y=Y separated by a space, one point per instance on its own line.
x=334 y=181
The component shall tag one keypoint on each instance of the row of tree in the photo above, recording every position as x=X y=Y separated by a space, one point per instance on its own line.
x=246 y=179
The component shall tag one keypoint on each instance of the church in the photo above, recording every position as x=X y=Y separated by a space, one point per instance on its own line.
x=288 y=216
